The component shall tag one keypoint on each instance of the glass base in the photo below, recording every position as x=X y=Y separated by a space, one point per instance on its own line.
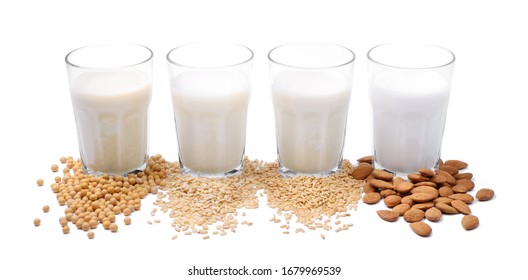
x=402 y=174
x=87 y=170
x=239 y=170
x=288 y=173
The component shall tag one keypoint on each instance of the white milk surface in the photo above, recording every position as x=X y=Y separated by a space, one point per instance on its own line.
x=310 y=117
x=210 y=110
x=409 y=112
x=111 y=111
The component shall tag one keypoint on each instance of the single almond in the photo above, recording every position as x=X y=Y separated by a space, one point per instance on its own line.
x=433 y=214
x=448 y=177
x=459 y=189
x=466 y=175
x=386 y=192
x=371 y=198
x=362 y=171
x=426 y=172
x=368 y=188
x=407 y=200
x=366 y=159
x=446 y=209
x=461 y=206
x=392 y=200
x=467 y=198
x=404 y=187
x=423 y=206
x=415 y=178
x=445 y=191
x=485 y=194
x=425 y=183
x=421 y=228
x=423 y=197
x=470 y=222
x=397 y=180
x=382 y=175
x=425 y=189
x=437 y=179
x=413 y=215
x=445 y=200
x=449 y=169
x=466 y=183
x=381 y=184
x=388 y=215
x=401 y=208
x=458 y=164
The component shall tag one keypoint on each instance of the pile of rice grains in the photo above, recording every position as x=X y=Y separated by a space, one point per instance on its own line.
x=215 y=206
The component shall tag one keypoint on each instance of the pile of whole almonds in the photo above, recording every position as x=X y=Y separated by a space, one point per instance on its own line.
x=426 y=194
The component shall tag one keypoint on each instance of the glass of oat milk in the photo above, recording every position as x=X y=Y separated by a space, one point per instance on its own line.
x=110 y=88
x=311 y=87
x=409 y=88
x=210 y=88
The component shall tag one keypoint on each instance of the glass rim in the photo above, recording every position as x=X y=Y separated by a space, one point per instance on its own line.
x=312 y=44
x=451 y=61
x=250 y=58
x=150 y=56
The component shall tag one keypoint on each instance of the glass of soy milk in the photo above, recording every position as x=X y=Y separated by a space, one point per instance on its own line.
x=409 y=88
x=110 y=88
x=210 y=88
x=311 y=87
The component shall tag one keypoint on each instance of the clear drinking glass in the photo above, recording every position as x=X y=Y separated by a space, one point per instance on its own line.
x=409 y=88
x=110 y=88
x=311 y=87
x=210 y=86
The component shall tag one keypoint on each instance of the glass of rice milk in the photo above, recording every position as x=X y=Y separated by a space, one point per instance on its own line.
x=110 y=88
x=210 y=88
x=311 y=87
x=409 y=87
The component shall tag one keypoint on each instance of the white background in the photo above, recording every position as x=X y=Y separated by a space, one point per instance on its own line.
x=485 y=127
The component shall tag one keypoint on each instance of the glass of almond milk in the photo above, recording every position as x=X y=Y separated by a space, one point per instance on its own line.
x=409 y=87
x=311 y=86
x=210 y=88
x=110 y=88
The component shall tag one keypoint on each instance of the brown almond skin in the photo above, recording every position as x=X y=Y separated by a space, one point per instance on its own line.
x=404 y=187
x=423 y=206
x=426 y=172
x=415 y=178
x=448 y=177
x=382 y=175
x=425 y=189
x=470 y=185
x=392 y=200
x=366 y=159
x=467 y=198
x=388 y=215
x=445 y=191
x=445 y=200
x=421 y=228
x=407 y=200
x=397 y=180
x=470 y=222
x=413 y=215
x=459 y=189
x=423 y=197
x=485 y=194
x=433 y=214
x=368 y=188
x=401 y=208
x=458 y=164
x=449 y=169
x=371 y=198
x=425 y=183
x=446 y=209
x=437 y=179
x=387 y=192
x=461 y=206
x=362 y=171
x=381 y=184
x=466 y=175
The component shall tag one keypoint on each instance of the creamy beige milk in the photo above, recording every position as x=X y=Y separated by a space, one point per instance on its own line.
x=210 y=110
x=311 y=111
x=409 y=112
x=111 y=111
